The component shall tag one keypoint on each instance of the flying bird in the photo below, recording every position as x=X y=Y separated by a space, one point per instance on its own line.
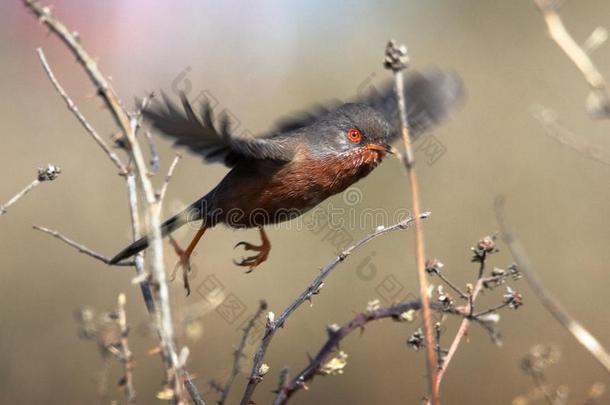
x=303 y=161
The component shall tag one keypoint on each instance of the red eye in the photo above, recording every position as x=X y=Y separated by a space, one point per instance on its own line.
x=354 y=135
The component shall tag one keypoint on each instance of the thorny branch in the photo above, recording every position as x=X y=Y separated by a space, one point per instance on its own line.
x=128 y=127
x=397 y=60
x=314 y=287
x=582 y=335
x=335 y=335
x=238 y=354
x=49 y=173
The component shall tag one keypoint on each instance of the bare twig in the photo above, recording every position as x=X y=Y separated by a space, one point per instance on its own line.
x=239 y=352
x=126 y=355
x=49 y=173
x=397 y=60
x=128 y=128
x=579 y=57
x=145 y=287
x=462 y=331
x=316 y=366
x=168 y=177
x=582 y=335
x=80 y=117
x=313 y=288
x=81 y=248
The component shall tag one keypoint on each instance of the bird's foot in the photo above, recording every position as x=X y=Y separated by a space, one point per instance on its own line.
x=183 y=263
x=263 y=253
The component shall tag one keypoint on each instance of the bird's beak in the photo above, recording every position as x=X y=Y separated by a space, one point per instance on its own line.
x=381 y=147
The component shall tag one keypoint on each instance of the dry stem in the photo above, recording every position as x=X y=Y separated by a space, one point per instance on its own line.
x=582 y=335
x=396 y=60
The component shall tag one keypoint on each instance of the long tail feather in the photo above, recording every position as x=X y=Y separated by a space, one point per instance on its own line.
x=167 y=227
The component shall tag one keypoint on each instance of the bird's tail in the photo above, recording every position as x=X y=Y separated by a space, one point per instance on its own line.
x=192 y=213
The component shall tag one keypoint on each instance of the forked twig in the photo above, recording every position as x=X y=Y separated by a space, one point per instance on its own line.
x=577 y=55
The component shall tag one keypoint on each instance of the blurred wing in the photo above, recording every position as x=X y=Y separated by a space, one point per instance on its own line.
x=430 y=99
x=304 y=118
x=200 y=135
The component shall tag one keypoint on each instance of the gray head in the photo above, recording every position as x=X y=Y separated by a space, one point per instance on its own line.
x=348 y=128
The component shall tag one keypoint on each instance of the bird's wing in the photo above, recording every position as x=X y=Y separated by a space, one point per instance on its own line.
x=430 y=98
x=200 y=134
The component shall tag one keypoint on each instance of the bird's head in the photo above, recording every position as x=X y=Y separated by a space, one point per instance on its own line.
x=351 y=130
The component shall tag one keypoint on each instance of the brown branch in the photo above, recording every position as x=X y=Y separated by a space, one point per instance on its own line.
x=397 y=60
x=239 y=352
x=49 y=173
x=335 y=336
x=81 y=248
x=313 y=288
x=577 y=55
x=582 y=335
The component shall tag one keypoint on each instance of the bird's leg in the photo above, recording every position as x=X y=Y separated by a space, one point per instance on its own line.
x=184 y=261
x=263 y=252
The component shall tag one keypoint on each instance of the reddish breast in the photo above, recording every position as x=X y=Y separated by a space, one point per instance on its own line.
x=278 y=192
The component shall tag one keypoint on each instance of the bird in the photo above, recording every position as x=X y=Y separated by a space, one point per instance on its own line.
x=301 y=162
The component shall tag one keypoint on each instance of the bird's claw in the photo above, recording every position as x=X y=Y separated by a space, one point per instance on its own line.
x=255 y=260
x=184 y=263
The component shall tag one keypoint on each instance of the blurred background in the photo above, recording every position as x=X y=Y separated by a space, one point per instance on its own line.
x=260 y=61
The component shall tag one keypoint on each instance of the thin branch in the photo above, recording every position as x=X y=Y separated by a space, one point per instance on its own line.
x=397 y=60
x=49 y=173
x=462 y=331
x=582 y=335
x=126 y=355
x=128 y=128
x=145 y=287
x=168 y=177
x=239 y=352
x=80 y=117
x=577 y=55
x=4 y=207
x=312 y=289
x=81 y=248
x=316 y=366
